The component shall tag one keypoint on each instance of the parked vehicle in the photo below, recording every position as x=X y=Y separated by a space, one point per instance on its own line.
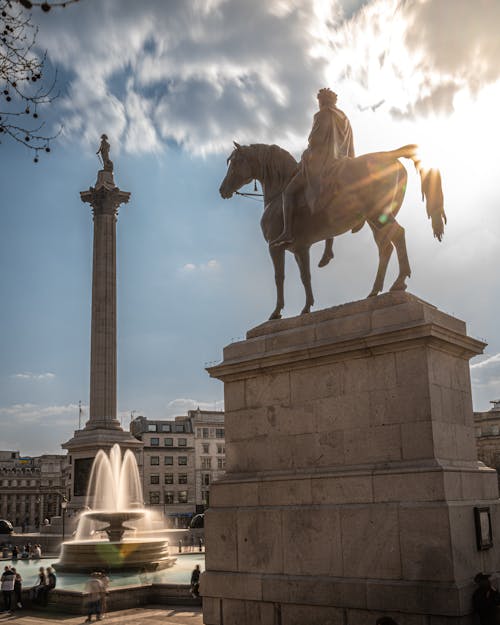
x=6 y=527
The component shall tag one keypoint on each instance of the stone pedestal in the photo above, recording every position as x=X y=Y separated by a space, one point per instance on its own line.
x=351 y=471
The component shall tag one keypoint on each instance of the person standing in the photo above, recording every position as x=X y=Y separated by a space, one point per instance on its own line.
x=15 y=552
x=195 y=582
x=7 y=584
x=485 y=600
x=94 y=590
x=18 y=589
x=104 y=597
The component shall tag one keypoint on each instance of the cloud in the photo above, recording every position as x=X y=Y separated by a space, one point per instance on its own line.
x=418 y=55
x=182 y=405
x=34 y=413
x=492 y=361
x=211 y=265
x=486 y=374
x=28 y=375
x=195 y=72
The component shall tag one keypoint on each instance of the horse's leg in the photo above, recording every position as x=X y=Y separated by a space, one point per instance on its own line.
x=398 y=238
x=384 y=244
x=327 y=253
x=278 y=258
x=302 y=258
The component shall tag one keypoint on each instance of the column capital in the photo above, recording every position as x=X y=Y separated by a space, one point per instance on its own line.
x=105 y=197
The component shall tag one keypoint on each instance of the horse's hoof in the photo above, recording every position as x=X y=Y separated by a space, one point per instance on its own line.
x=325 y=260
x=398 y=287
x=305 y=310
x=373 y=293
x=275 y=315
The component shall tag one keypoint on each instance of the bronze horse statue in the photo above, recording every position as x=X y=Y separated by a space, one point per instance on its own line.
x=371 y=190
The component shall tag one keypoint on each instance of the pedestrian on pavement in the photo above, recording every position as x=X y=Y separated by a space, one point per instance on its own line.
x=94 y=590
x=7 y=586
x=200 y=544
x=15 y=552
x=18 y=588
x=485 y=600
x=195 y=582
x=104 y=597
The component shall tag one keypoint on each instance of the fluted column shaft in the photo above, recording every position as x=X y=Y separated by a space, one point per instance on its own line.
x=105 y=200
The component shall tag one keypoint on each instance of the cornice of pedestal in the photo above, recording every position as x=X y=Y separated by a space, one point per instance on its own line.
x=389 y=322
x=101 y=438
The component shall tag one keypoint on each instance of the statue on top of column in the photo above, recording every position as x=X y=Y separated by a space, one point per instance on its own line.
x=104 y=152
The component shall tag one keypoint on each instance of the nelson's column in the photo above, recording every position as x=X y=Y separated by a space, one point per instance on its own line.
x=103 y=429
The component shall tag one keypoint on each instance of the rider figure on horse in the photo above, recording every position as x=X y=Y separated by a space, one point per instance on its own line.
x=330 y=140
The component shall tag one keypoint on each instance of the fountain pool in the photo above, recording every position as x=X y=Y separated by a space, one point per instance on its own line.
x=178 y=573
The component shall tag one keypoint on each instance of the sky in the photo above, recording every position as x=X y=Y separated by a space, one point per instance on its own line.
x=173 y=83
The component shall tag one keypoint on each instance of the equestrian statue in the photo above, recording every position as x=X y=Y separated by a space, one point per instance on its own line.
x=331 y=192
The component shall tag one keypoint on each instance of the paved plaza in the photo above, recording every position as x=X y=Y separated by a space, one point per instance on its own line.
x=178 y=615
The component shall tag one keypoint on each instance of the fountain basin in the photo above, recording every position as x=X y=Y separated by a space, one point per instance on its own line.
x=147 y=554
x=115 y=530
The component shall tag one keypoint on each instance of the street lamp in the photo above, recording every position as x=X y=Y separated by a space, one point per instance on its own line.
x=64 y=505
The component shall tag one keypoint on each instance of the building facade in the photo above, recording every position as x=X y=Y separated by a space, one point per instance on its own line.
x=181 y=457
x=31 y=489
x=210 y=452
x=487 y=426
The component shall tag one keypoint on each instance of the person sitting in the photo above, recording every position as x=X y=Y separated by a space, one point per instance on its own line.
x=39 y=588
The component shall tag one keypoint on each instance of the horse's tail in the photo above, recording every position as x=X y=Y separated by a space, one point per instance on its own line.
x=430 y=183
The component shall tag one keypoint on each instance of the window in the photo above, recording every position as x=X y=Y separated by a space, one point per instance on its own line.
x=154 y=498
x=182 y=442
x=168 y=442
x=219 y=433
x=206 y=463
x=154 y=460
x=169 y=460
x=169 y=496
x=205 y=432
x=199 y=432
x=183 y=478
x=206 y=479
x=182 y=496
x=151 y=427
x=179 y=427
x=155 y=441
x=169 y=478
x=165 y=427
x=221 y=449
x=221 y=463
x=154 y=479
x=204 y=497
x=205 y=447
x=182 y=460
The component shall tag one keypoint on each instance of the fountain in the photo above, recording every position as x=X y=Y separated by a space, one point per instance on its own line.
x=115 y=531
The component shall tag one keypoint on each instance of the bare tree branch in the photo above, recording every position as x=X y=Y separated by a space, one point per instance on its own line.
x=23 y=91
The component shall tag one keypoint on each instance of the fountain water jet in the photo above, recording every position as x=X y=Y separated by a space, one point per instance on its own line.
x=102 y=539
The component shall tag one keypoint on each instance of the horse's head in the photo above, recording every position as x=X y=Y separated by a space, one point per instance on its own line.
x=239 y=172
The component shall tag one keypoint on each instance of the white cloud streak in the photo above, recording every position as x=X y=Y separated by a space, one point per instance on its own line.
x=211 y=265
x=183 y=404
x=28 y=375
x=35 y=413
